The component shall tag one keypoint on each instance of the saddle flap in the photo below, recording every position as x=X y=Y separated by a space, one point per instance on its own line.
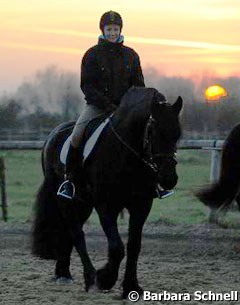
x=89 y=145
x=91 y=142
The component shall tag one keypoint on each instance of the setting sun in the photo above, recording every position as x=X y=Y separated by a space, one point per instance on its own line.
x=215 y=92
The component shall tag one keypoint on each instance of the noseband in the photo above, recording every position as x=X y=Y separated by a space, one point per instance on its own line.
x=147 y=146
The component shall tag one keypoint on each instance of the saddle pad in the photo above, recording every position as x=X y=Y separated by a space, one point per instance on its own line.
x=89 y=145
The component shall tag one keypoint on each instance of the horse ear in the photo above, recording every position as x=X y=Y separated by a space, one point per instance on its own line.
x=158 y=100
x=177 y=106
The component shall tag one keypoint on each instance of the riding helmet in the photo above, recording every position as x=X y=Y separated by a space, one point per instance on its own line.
x=110 y=17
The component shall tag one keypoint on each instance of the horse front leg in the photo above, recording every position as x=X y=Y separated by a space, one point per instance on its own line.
x=108 y=275
x=138 y=216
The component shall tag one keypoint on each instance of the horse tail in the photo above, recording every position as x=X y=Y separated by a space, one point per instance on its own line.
x=217 y=195
x=47 y=225
x=225 y=190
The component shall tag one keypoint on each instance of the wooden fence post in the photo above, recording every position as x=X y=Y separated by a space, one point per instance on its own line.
x=3 y=189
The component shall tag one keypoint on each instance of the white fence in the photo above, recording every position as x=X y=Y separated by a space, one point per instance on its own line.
x=214 y=145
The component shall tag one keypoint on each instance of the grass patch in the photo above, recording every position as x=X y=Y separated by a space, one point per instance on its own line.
x=24 y=176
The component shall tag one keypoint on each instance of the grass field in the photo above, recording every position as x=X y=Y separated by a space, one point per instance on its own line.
x=23 y=174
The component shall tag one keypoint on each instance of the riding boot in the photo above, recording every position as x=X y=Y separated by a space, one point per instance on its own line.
x=68 y=188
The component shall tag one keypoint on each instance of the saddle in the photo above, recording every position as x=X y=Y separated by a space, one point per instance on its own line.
x=91 y=137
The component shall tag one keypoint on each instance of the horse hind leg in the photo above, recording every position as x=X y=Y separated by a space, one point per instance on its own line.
x=75 y=214
x=89 y=271
x=62 y=268
x=107 y=276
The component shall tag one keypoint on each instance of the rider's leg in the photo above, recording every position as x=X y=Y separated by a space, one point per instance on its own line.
x=67 y=188
x=74 y=158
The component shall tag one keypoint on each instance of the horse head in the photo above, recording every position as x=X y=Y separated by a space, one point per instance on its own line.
x=161 y=136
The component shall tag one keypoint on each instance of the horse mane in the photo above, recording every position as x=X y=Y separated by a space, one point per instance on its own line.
x=138 y=101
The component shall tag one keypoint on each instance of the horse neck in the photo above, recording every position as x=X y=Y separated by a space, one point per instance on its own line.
x=130 y=125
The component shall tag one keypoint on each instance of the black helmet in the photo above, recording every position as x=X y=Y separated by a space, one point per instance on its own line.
x=110 y=17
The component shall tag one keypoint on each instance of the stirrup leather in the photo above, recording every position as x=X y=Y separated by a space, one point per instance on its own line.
x=62 y=192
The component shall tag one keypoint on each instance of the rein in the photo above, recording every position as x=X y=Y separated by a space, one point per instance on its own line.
x=152 y=165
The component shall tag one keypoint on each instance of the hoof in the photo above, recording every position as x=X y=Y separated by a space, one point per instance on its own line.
x=104 y=281
x=90 y=281
x=135 y=288
x=63 y=281
x=93 y=289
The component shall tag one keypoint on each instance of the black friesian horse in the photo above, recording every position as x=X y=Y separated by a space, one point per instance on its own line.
x=220 y=195
x=136 y=151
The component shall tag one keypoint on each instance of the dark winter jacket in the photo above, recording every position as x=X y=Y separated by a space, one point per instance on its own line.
x=108 y=70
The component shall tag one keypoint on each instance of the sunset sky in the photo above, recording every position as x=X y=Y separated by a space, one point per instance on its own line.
x=177 y=38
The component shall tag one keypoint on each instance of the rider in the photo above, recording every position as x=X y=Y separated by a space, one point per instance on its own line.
x=108 y=70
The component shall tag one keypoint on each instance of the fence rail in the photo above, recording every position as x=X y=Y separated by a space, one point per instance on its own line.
x=215 y=146
x=183 y=144
x=21 y=145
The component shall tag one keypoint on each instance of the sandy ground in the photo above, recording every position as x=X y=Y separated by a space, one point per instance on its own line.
x=179 y=259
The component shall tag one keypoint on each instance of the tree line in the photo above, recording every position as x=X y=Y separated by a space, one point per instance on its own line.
x=53 y=96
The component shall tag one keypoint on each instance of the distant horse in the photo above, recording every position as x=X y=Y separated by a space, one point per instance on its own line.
x=136 y=150
x=220 y=195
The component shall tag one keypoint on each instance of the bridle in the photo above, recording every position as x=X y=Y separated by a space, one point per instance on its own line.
x=147 y=146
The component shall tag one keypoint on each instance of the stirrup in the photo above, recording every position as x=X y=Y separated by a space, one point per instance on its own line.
x=161 y=193
x=63 y=192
